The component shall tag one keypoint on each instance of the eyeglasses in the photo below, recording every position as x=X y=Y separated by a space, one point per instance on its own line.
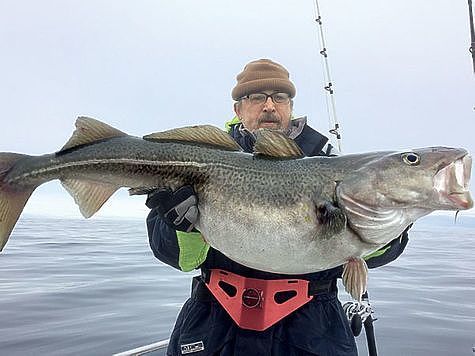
x=261 y=98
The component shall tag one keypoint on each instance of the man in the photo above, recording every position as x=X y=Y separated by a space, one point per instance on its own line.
x=206 y=325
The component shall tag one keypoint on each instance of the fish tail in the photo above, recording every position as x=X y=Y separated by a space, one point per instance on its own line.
x=12 y=198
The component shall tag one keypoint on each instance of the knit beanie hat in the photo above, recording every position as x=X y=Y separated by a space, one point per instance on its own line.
x=262 y=74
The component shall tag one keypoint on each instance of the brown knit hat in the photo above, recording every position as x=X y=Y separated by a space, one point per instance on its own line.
x=262 y=74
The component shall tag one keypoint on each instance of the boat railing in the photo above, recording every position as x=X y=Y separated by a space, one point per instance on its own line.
x=143 y=350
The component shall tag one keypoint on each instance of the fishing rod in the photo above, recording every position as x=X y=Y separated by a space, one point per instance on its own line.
x=472 y=33
x=328 y=83
x=369 y=329
x=359 y=314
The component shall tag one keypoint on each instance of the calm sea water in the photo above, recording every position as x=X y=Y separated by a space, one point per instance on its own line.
x=92 y=287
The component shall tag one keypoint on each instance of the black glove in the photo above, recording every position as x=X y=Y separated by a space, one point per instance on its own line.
x=178 y=208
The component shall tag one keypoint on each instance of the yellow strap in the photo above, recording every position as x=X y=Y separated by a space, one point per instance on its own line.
x=377 y=253
x=193 y=250
x=235 y=120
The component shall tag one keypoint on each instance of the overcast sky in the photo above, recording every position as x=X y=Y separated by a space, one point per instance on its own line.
x=401 y=69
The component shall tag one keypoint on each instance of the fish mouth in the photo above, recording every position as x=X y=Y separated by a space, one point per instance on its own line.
x=452 y=181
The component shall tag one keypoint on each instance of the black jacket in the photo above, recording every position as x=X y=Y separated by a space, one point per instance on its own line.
x=318 y=328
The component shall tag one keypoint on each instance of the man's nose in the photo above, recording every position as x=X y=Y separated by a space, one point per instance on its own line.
x=269 y=105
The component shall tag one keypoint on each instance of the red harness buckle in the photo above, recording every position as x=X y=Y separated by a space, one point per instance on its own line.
x=257 y=304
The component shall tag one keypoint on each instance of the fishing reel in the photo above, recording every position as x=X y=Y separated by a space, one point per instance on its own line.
x=357 y=313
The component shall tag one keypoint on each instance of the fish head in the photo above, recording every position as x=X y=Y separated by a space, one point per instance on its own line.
x=394 y=189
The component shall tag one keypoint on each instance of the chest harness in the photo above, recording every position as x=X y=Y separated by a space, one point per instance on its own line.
x=257 y=304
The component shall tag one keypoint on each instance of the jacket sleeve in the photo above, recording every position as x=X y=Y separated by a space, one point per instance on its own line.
x=163 y=240
x=388 y=253
x=181 y=250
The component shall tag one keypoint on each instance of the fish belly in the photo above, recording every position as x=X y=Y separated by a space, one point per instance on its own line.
x=276 y=239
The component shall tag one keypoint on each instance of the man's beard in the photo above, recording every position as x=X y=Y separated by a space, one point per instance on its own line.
x=269 y=117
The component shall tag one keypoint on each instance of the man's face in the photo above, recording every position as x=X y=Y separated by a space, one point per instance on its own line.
x=267 y=114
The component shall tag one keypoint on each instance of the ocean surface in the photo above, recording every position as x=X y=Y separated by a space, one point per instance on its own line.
x=93 y=287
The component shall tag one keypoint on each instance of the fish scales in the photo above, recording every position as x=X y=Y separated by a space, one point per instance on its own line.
x=273 y=210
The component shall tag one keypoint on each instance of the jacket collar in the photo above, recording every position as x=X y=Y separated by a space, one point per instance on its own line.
x=310 y=141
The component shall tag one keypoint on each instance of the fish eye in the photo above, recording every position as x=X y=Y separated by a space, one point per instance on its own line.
x=411 y=158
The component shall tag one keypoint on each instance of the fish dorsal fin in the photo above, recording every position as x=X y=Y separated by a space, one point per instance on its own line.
x=202 y=134
x=89 y=195
x=90 y=130
x=275 y=144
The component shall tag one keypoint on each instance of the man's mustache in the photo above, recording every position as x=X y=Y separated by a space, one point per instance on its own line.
x=268 y=117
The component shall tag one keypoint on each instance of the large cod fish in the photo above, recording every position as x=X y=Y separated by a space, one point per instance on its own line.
x=273 y=210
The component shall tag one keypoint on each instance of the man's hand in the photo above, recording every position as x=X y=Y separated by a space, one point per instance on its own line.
x=179 y=208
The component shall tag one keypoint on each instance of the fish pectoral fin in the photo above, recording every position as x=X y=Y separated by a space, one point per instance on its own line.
x=89 y=195
x=202 y=134
x=331 y=218
x=355 y=277
x=89 y=130
x=275 y=144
